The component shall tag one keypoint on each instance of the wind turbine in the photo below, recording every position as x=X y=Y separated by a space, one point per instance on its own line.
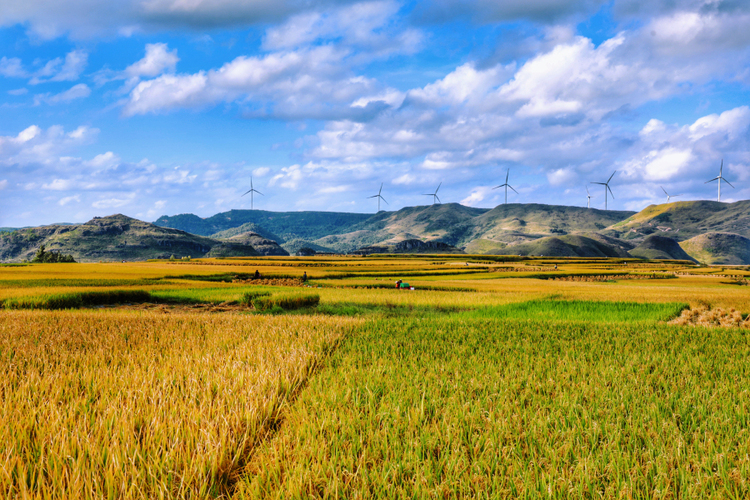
x=607 y=188
x=720 y=178
x=434 y=195
x=670 y=195
x=379 y=197
x=588 y=198
x=252 y=191
x=506 y=186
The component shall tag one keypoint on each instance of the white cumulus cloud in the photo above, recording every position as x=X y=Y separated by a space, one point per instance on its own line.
x=158 y=59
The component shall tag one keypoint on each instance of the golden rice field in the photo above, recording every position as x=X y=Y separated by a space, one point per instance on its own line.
x=100 y=404
x=491 y=379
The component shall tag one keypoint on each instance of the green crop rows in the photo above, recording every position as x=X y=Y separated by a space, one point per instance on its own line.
x=425 y=408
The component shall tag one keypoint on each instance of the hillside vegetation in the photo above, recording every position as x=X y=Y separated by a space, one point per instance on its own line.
x=683 y=220
x=660 y=248
x=718 y=248
x=565 y=246
x=287 y=225
x=413 y=246
x=115 y=238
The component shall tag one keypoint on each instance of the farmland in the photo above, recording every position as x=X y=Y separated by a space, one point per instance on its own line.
x=496 y=377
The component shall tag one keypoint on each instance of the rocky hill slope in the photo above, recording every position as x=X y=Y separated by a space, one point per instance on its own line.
x=115 y=238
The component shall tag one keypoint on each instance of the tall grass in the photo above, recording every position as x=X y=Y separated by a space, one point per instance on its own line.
x=142 y=405
x=461 y=408
x=582 y=310
x=285 y=301
x=73 y=300
x=248 y=297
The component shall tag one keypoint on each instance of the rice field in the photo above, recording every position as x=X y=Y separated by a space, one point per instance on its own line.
x=413 y=408
x=491 y=379
x=141 y=405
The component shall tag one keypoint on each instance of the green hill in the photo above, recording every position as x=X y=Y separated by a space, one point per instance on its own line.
x=263 y=245
x=115 y=238
x=287 y=225
x=507 y=221
x=482 y=246
x=293 y=246
x=412 y=246
x=457 y=225
x=660 y=248
x=447 y=222
x=685 y=219
x=249 y=227
x=718 y=249
x=564 y=246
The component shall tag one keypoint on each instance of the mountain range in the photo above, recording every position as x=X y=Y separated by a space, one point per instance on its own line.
x=709 y=232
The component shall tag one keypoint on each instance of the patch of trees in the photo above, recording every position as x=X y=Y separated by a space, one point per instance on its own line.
x=45 y=257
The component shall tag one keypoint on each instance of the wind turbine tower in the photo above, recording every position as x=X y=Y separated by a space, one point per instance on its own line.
x=720 y=178
x=588 y=198
x=506 y=186
x=607 y=188
x=379 y=197
x=434 y=195
x=252 y=191
x=670 y=196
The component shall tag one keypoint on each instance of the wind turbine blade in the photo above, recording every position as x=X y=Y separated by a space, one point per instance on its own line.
x=715 y=178
x=600 y=183
x=506 y=176
x=381 y=188
x=587 y=190
x=721 y=167
x=512 y=188
x=383 y=200
x=665 y=191
x=373 y=196
x=259 y=193
x=501 y=185
x=727 y=182
x=438 y=199
x=438 y=189
x=610 y=192
x=610 y=177
x=246 y=193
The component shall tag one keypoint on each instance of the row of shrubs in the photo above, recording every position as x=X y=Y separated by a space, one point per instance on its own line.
x=264 y=301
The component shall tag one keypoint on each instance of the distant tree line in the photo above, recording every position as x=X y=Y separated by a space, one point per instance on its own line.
x=45 y=257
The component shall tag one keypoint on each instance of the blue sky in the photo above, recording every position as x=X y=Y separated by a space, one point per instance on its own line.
x=161 y=107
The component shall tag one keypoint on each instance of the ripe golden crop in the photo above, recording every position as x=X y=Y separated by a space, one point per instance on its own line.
x=144 y=405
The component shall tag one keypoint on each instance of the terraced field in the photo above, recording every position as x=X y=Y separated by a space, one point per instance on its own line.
x=490 y=379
